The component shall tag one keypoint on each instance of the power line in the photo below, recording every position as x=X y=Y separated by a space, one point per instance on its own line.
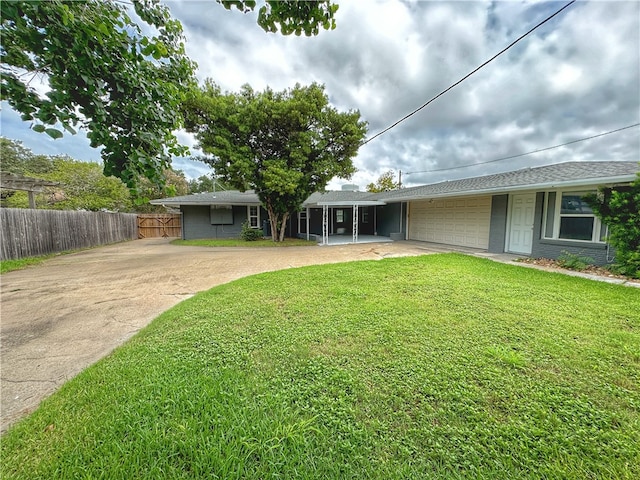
x=528 y=153
x=466 y=76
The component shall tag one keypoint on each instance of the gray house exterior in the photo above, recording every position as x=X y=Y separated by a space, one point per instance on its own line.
x=535 y=212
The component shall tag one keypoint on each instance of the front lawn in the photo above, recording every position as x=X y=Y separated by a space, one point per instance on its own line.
x=440 y=366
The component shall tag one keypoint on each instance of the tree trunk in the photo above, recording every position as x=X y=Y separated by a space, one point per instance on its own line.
x=277 y=225
x=283 y=226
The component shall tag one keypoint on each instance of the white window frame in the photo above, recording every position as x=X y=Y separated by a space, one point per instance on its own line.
x=364 y=215
x=255 y=216
x=340 y=215
x=302 y=219
x=598 y=227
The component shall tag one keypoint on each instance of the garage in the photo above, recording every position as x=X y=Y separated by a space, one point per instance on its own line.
x=460 y=221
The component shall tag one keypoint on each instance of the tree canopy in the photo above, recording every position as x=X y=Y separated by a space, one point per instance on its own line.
x=385 y=183
x=104 y=72
x=117 y=69
x=82 y=185
x=284 y=145
x=290 y=16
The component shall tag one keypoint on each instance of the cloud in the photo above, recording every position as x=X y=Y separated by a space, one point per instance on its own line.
x=576 y=76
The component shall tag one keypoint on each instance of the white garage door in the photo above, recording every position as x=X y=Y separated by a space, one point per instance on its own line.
x=452 y=221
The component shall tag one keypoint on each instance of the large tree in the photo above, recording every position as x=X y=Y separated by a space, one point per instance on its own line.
x=284 y=145
x=118 y=69
x=105 y=72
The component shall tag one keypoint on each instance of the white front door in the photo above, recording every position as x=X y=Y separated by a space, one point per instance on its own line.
x=521 y=225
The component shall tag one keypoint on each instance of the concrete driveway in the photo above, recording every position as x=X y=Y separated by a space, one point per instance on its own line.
x=64 y=315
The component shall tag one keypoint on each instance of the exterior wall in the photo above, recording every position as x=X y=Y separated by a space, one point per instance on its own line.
x=600 y=253
x=391 y=218
x=196 y=222
x=498 y=225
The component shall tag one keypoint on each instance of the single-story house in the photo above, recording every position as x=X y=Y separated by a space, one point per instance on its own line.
x=537 y=212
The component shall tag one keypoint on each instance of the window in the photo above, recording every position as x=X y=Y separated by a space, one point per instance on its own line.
x=569 y=217
x=253 y=215
x=221 y=215
x=340 y=216
x=365 y=215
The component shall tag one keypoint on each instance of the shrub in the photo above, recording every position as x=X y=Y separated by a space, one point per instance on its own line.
x=619 y=209
x=573 y=261
x=249 y=234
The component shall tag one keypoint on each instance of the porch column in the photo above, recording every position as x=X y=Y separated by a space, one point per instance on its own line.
x=307 y=220
x=355 y=223
x=325 y=225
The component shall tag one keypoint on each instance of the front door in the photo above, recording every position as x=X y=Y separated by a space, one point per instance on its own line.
x=521 y=225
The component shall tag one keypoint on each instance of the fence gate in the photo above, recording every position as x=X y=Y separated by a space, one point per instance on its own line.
x=159 y=225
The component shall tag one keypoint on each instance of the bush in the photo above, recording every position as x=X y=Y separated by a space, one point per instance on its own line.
x=619 y=209
x=573 y=261
x=249 y=234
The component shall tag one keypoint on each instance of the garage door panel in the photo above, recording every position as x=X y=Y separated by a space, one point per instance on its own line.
x=457 y=221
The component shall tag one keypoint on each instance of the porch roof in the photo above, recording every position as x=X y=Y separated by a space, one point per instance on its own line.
x=343 y=198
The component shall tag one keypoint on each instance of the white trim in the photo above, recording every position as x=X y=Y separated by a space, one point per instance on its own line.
x=257 y=216
x=557 y=216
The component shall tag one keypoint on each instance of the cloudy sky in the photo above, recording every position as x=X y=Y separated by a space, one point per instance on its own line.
x=575 y=77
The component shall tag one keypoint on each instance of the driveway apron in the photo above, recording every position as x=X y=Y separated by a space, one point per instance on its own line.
x=62 y=316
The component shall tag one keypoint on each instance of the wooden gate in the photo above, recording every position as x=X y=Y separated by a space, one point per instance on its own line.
x=159 y=225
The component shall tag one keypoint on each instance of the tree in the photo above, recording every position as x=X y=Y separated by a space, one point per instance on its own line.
x=83 y=186
x=619 y=209
x=291 y=16
x=104 y=74
x=176 y=184
x=385 y=183
x=16 y=158
x=206 y=183
x=284 y=145
x=120 y=78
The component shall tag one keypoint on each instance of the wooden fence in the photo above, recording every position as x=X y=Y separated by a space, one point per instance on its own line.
x=28 y=232
x=159 y=225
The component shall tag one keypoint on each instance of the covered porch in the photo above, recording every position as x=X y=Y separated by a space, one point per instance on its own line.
x=341 y=222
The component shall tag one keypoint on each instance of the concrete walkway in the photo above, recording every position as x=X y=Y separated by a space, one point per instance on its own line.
x=64 y=315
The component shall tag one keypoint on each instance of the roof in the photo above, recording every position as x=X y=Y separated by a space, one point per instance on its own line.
x=559 y=175
x=342 y=198
x=224 y=197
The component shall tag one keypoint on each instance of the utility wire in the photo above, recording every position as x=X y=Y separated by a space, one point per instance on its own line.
x=528 y=153
x=466 y=76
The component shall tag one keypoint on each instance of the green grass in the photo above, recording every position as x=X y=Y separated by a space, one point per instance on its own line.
x=237 y=242
x=11 y=265
x=440 y=366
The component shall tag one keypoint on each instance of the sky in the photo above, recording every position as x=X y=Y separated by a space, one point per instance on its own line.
x=575 y=77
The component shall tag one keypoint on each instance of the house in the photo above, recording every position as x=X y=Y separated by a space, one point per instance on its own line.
x=537 y=212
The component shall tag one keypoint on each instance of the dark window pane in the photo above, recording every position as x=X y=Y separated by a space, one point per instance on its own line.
x=576 y=228
x=573 y=203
